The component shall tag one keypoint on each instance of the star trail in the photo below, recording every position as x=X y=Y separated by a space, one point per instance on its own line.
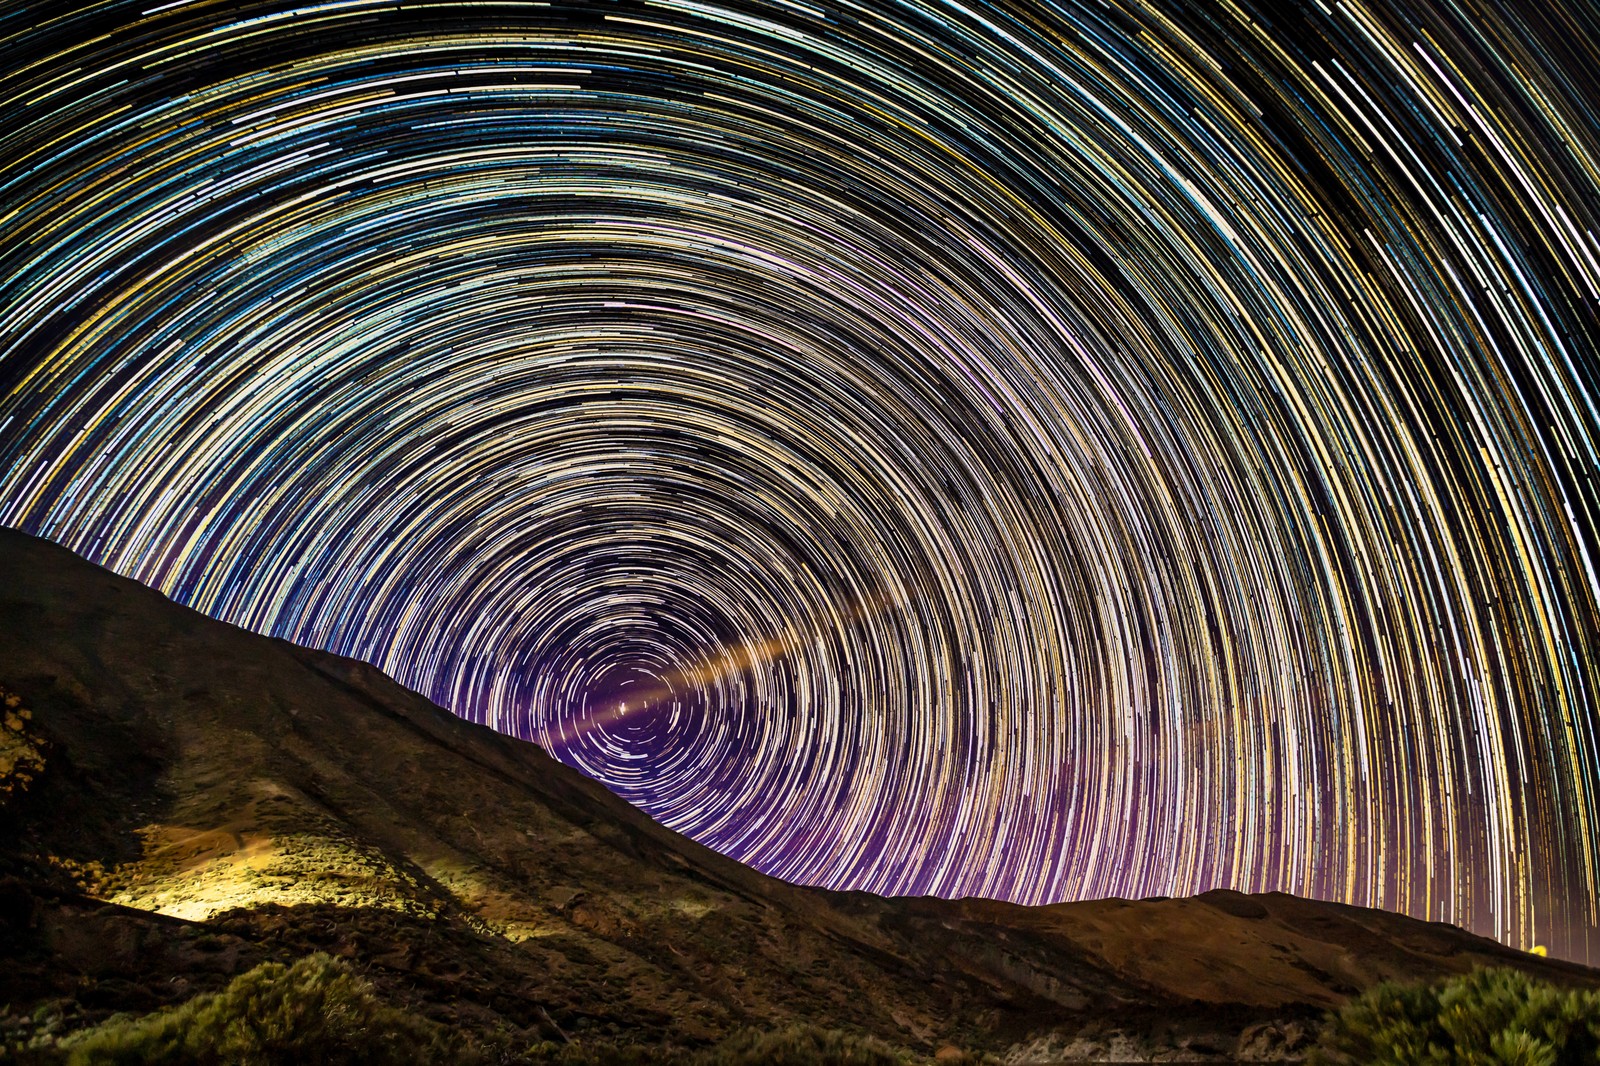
x=1041 y=450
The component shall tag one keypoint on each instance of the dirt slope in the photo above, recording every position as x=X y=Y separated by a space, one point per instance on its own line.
x=263 y=799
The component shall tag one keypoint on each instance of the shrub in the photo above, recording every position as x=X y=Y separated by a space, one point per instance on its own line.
x=21 y=750
x=316 y=1010
x=1489 y=1017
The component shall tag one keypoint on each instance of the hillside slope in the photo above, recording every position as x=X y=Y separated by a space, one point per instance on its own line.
x=263 y=799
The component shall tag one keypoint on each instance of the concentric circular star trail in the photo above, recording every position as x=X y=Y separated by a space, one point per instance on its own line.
x=1032 y=450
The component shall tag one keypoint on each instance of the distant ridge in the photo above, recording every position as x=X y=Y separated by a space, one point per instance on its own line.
x=209 y=798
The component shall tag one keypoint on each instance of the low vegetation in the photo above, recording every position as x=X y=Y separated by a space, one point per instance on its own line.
x=1490 y=1017
x=21 y=751
x=318 y=1010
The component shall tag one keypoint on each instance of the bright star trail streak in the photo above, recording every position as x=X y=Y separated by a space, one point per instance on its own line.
x=1043 y=451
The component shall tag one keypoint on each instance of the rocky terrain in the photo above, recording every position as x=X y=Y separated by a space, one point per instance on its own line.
x=183 y=799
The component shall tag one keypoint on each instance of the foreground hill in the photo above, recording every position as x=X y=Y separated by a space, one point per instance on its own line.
x=186 y=799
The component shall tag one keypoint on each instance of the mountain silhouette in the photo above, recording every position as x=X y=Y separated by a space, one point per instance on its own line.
x=184 y=799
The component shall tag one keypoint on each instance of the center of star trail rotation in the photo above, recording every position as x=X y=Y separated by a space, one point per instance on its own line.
x=1043 y=451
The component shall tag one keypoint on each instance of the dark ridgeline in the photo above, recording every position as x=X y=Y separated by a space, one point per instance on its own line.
x=273 y=800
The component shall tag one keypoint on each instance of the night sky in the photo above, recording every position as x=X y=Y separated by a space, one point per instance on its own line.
x=1032 y=450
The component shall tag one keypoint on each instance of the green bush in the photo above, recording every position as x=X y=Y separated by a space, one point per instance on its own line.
x=316 y=1011
x=1488 y=1018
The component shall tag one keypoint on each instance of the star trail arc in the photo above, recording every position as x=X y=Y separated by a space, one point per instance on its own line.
x=1043 y=451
